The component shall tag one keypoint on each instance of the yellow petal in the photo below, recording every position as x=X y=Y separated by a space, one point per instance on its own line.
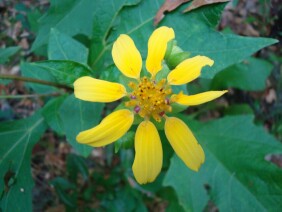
x=184 y=143
x=196 y=99
x=148 y=153
x=127 y=57
x=95 y=90
x=157 y=47
x=109 y=130
x=188 y=70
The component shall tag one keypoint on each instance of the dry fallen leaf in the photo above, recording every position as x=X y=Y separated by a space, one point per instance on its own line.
x=276 y=159
x=168 y=6
x=199 y=3
x=270 y=96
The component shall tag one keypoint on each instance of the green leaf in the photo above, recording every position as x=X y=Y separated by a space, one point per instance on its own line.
x=249 y=75
x=6 y=112
x=174 y=59
x=65 y=72
x=77 y=164
x=71 y=17
x=225 y=50
x=63 y=188
x=29 y=70
x=17 y=139
x=51 y=114
x=105 y=17
x=64 y=47
x=6 y=53
x=32 y=17
x=169 y=195
x=238 y=109
x=235 y=171
x=20 y=16
x=125 y=141
x=125 y=199
x=78 y=116
x=195 y=33
x=112 y=74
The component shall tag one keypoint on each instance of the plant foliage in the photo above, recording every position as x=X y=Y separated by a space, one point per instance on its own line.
x=76 y=37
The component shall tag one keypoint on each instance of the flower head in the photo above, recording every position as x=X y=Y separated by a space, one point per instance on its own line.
x=150 y=99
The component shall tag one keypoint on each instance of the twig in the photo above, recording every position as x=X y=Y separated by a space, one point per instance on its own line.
x=33 y=80
x=29 y=95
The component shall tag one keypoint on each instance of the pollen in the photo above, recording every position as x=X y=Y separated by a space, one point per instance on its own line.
x=150 y=98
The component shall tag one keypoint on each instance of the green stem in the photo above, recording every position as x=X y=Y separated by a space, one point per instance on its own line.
x=33 y=80
x=29 y=96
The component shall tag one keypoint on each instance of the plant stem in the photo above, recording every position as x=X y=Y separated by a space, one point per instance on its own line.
x=33 y=80
x=29 y=95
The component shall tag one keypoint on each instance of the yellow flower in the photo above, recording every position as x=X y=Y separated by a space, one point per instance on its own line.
x=149 y=99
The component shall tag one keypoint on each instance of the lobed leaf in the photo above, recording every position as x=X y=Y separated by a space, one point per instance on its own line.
x=64 y=47
x=31 y=71
x=195 y=33
x=71 y=17
x=105 y=19
x=235 y=172
x=77 y=116
x=51 y=113
x=65 y=72
x=250 y=75
x=17 y=139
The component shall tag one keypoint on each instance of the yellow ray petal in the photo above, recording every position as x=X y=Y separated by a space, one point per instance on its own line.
x=127 y=57
x=157 y=47
x=188 y=70
x=109 y=130
x=95 y=90
x=148 y=153
x=196 y=99
x=184 y=143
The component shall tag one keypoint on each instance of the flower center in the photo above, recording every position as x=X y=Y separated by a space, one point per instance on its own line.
x=150 y=98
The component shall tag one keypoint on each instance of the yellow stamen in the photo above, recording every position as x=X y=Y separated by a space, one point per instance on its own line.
x=150 y=98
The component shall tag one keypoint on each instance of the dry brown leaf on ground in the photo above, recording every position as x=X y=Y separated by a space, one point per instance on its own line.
x=168 y=6
x=199 y=3
x=270 y=96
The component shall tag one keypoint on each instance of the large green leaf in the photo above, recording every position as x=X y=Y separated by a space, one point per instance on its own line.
x=77 y=116
x=17 y=139
x=236 y=172
x=31 y=71
x=6 y=53
x=249 y=75
x=63 y=47
x=52 y=115
x=71 y=17
x=194 y=30
x=105 y=17
x=58 y=71
x=77 y=165
x=64 y=71
x=225 y=50
x=195 y=33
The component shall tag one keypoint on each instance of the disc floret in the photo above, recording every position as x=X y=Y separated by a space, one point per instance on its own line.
x=150 y=98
